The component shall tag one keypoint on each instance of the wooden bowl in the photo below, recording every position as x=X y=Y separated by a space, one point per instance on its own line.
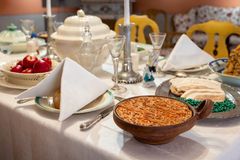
x=162 y=134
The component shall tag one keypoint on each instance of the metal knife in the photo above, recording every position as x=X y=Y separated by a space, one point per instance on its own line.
x=88 y=124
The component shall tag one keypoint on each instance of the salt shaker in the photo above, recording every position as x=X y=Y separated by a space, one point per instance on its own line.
x=148 y=79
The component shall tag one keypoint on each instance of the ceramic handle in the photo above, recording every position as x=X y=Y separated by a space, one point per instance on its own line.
x=204 y=109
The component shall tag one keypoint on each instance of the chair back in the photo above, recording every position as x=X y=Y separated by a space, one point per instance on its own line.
x=217 y=33
x=167 y=24
x=137 y=31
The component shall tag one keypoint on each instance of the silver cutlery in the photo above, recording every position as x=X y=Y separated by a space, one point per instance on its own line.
x=88 y=124
x=25 y=100
x=21 y=101
x=119 y=98
x=179 y=74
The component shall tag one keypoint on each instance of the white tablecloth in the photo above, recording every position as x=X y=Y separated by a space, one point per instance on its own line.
x=28 y=133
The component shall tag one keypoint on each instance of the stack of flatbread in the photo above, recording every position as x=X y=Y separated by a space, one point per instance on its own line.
x=197 y=88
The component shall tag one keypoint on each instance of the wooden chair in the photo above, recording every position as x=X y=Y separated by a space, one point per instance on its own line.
x=153 y=14
x=217 y=33
x=137 y=31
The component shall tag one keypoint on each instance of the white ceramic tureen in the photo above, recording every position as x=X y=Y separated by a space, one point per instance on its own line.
x=69 y=36
x=12 y=40
x=12 y=35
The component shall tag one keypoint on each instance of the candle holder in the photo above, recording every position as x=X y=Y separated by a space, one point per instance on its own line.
x=50 y=30
x=127 y=75
x=50 y=25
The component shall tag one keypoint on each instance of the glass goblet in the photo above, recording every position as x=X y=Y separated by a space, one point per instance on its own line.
x=51 y=51
x=57 y=24
x=157 y=40
x=115 y=46
x=28 y=27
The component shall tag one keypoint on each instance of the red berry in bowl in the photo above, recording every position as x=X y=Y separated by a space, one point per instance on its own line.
x=41 y=66
x=48 y=60
x=29 y=61
x=17 y=68
x=27 y=70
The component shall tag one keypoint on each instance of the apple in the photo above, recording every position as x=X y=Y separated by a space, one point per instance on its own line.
x=20 y=63
x=41 y=66
x=29 y=61
x=17 y=68
x=48 y=60
x=27 y=70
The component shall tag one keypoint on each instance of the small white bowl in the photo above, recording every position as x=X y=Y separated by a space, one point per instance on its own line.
x=25 y=79
x=218 y=67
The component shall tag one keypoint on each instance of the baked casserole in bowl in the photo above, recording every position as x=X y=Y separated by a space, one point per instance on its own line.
x=157 y=119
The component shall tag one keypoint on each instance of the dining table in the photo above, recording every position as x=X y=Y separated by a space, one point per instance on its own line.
x=29 y=133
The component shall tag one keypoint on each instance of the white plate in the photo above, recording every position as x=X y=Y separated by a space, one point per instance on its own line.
x=100 y=103
x=4 y=83
x=189 y=70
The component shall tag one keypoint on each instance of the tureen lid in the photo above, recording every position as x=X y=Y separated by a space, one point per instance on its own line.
x=73 y=28
x=12 y=35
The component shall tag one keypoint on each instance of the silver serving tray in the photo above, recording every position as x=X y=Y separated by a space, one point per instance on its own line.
x=232 y=94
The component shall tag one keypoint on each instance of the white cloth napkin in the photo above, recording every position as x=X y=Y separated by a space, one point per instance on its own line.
x=186 y=54
x=78 y=87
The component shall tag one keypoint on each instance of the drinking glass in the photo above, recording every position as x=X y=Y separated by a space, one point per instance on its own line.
x=157 y=40
x=57 y=24
x=27 y=26
x=51 y=51
x=115 y=46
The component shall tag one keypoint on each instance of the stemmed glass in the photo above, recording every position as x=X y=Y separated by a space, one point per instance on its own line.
x=28 y=27
x=115 y=46
x=157 y=40
x=57 y=24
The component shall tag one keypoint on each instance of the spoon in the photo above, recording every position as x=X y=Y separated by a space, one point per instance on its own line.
x=25 y=100
x=180 y=74
x=21 y=101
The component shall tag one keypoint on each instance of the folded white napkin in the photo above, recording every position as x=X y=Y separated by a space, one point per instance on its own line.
x=186 y=54
x=78 y=87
